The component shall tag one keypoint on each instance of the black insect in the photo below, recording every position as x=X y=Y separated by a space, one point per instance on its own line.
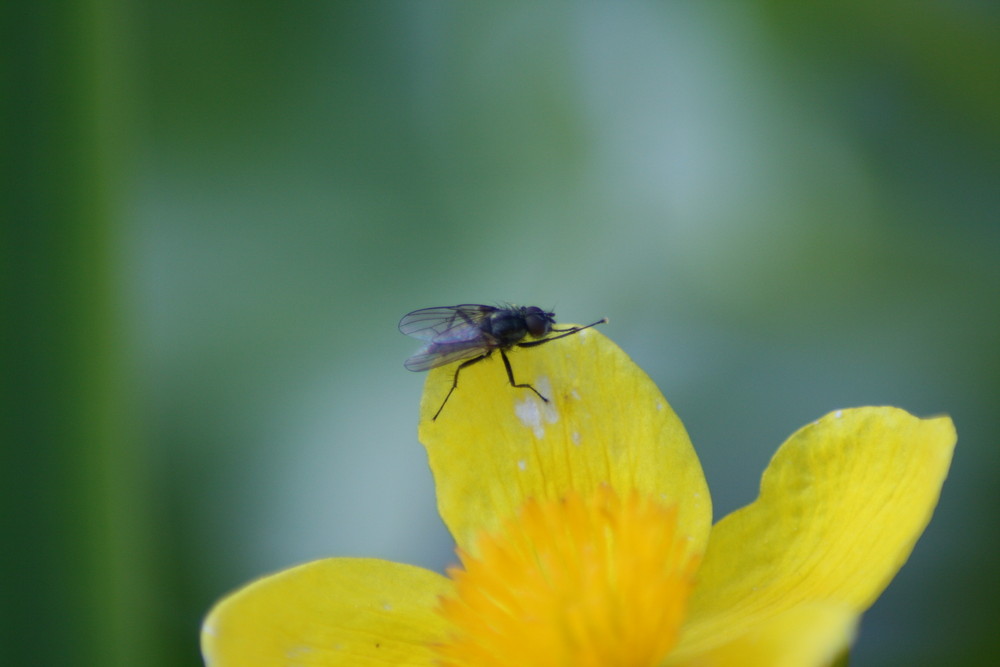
x=471 y=332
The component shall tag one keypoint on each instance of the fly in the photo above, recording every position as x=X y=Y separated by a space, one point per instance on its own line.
x=472 y=332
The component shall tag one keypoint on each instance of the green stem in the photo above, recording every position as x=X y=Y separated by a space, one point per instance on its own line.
x=74 y=521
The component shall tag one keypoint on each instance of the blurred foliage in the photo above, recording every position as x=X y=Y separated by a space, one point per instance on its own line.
x=214 y=214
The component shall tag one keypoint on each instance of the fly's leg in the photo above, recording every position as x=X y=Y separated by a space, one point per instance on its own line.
x=562 y=334
x=510 y=376
x=534 y=343
x=454 y=381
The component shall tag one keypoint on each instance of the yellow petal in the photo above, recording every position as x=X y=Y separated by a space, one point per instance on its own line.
x=806 y=636
x=495 y=446
x=841 y=505
x=339 y=611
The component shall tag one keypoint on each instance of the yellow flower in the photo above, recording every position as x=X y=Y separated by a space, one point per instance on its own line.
x=585 y=537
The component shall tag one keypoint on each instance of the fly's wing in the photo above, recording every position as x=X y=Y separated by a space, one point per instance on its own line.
x=446 y=324
x=433 y=355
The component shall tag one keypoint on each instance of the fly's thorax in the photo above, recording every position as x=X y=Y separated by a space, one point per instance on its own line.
x=507 y=326
x=510 y=325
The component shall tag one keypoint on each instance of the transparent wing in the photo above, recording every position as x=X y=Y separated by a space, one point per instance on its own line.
x=441 y=354
x=446 y=324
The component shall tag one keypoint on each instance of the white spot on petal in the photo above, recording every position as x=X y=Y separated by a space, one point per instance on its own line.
x=838 y=414
x=529 y=414
x=522 y=465
x=575 y=436
x=535 y=413
x=296 y=652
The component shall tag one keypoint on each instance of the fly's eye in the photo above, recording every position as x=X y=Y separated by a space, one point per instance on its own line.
x=537 y=323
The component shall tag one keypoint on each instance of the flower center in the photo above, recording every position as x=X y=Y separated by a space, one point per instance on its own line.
x=597 y=580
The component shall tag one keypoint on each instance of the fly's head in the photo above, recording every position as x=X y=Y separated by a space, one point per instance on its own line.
x=537 y=321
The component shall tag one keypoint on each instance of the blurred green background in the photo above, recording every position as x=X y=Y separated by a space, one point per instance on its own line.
x=215 y=213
